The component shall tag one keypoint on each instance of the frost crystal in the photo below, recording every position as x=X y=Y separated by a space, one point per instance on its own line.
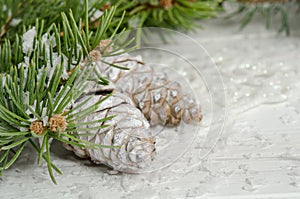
x=3 y=79
x=15 y=22
x=26 y=97
x=28 y=39
x=96 y=15
x=4 y=8
x=174 y=93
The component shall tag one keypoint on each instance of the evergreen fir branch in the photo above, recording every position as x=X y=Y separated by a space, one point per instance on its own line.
x=176 y=14
x=18 y=13
x=39 y=86
x=181 y=15
x=18 y=139
x=248 y=8
x=64 y=42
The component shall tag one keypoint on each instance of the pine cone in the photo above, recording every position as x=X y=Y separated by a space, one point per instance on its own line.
x=162 y=101
x=129 y=130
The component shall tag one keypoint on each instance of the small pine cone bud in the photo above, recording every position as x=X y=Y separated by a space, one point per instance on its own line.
x=105 y=46
x=106 y=6
x=57 y=123
x=95 y=55
x=37 y=127
x=129 y=130
x=166 y=3
x=163 y=102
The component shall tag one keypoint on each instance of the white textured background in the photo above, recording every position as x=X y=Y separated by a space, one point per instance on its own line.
x=257 y=156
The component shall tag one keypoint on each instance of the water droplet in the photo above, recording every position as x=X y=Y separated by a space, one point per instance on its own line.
x=157 y=97
x=177 y=109
x=141 y=105
x=174 y=93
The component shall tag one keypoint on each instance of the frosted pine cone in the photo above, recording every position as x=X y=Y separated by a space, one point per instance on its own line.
x=162 y=101
x=129 y=130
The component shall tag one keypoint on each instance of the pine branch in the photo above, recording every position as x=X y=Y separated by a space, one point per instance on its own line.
x=22 y=121
x=181 y=15
x=42 y=77
x=19 y=13
x=174 y=14
x=267 y=9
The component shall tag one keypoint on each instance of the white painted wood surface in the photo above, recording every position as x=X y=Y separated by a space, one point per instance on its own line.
x=257 y=156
